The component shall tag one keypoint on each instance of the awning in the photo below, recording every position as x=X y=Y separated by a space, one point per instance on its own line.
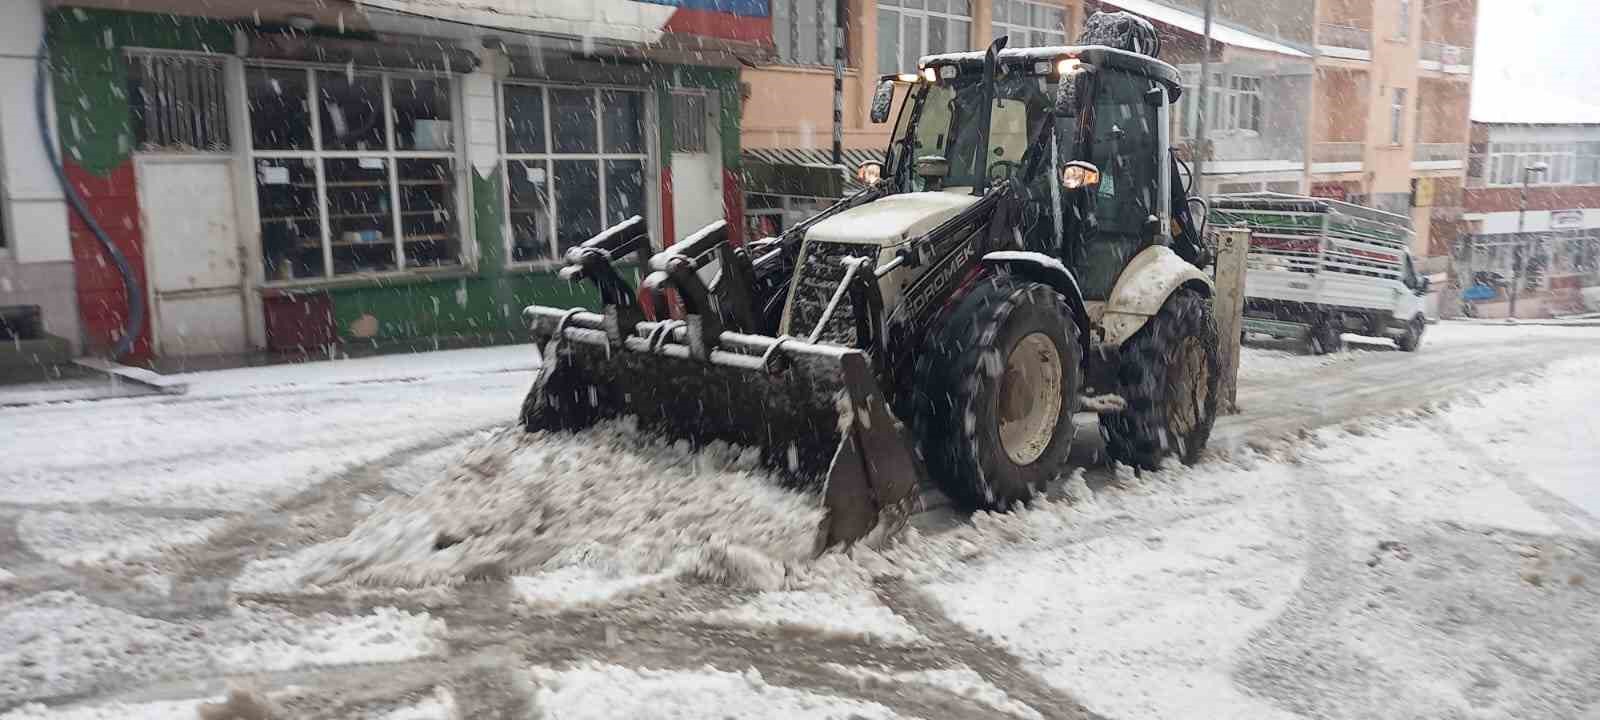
x=1196 y=24
x=805 y=172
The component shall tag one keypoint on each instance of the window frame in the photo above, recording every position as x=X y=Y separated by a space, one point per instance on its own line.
x=224 y=101
x=1566 y=158
x=1227 y=106
x=787 y=27
x=1398 y=99
x=1007 y=26
x=901 y=12
x=647 y=157
x=466 y=251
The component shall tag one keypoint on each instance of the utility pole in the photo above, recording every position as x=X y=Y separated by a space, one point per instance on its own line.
x=838 y=80
x=1528 y=172
x=1203 y=113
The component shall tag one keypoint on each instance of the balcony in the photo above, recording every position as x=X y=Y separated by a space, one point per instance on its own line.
x=1439 y=156
x=1331 y=154
x=1446 y=58
x=1344 y=41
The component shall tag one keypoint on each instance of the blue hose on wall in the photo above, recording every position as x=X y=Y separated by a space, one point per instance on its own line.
x=130 y=333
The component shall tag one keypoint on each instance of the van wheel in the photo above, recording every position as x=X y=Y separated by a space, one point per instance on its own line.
x=996 y=387
x=1326 y=338
x=1168 y=376
x=1412 y=340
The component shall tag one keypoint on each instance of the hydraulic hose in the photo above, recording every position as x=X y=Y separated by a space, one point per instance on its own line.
x=135 y=325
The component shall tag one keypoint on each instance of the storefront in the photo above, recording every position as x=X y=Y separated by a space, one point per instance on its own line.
x=296 y=192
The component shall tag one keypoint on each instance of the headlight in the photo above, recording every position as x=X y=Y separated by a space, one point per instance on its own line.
x=1078 y=174
x=1068 y=66
x=869 y=172
x=930 y=74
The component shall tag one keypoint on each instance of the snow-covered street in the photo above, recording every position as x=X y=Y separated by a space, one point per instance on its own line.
x=1377 y=534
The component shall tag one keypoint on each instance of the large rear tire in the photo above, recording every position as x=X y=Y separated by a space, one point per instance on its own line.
x=997 y=385
x=1168 y=377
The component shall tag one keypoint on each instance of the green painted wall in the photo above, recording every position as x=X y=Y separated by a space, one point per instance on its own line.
x=91 y=74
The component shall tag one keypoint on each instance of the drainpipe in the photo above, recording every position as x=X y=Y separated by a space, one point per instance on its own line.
x=838 y=80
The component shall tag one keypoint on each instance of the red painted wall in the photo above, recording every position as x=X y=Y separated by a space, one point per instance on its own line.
x=102 y=299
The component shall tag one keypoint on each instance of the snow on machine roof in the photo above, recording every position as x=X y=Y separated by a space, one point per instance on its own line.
x=1098 y=55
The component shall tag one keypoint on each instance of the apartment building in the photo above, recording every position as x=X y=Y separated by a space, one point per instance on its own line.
x=1553 y=170
x=1360 y=100
x=787 y=130
x=1394 y=86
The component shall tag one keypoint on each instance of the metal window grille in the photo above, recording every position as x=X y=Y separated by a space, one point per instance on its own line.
x=689 y=123
x=178 y=102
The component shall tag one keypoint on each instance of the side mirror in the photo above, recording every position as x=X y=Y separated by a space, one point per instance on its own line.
x=882 y=99
x=1423 y=283
x=1199 y=210
x=1072 y=86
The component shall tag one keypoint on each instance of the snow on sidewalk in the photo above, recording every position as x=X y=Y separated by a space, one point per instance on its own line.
x=242 y=451
x=391 y=368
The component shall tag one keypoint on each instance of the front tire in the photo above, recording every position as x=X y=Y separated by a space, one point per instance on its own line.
x=997 y=385
x=1412 y=340
x=1168 y=377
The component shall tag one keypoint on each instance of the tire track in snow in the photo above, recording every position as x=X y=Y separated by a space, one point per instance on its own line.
x=1273 y=666
x=989 y=659
x=1389 y=382
x=1572 y=520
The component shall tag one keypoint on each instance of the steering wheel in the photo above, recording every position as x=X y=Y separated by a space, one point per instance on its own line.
x=1011 y=168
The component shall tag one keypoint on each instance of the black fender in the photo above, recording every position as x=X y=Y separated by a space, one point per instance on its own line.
x=1041 y=268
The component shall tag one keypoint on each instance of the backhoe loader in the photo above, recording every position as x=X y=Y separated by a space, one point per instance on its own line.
x=1025 y=243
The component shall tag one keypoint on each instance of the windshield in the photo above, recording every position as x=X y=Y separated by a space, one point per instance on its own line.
x=945 y=120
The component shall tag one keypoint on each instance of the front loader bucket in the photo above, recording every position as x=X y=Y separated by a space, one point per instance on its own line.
x=815 y=411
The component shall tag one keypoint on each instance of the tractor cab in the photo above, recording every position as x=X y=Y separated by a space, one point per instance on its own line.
x=1078 y=133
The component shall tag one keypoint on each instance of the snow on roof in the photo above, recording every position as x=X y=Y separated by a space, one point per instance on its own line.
x=1500 y=103
x=1197 y=25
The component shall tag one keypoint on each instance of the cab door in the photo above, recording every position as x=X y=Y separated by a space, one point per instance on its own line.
x=1128 y=143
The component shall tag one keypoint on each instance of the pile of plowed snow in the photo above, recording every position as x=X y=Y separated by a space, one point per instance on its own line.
x=611 y=498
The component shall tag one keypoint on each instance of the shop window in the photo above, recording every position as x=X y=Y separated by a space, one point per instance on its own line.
x=360 y=180
x=573 y=121
x=524 y=108
x=352 y=110
x=575 y=162
x=280 y=109
x=291 y=218
x=422 y=114
x=177 y=103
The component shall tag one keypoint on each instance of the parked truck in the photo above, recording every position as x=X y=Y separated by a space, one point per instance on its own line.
x=1318 y=268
